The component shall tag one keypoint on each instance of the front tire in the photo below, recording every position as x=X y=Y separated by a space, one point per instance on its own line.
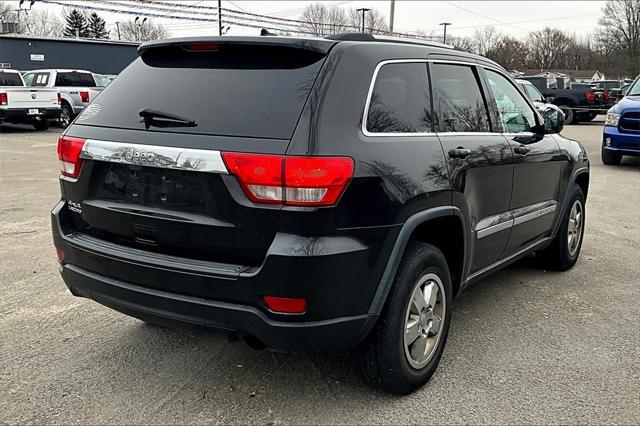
x=564 y=251
x=404 y=349
x=569 y=115
x=610 y=158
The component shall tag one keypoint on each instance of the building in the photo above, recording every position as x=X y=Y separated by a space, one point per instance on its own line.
x=579 y=76
x=25 y=53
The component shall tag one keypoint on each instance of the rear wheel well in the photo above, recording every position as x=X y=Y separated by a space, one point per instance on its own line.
x=445 y=233
x=583 y=182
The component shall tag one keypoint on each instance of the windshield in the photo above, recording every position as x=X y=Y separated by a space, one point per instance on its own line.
x=102 y=80
x=10 y=79
x=634 y=90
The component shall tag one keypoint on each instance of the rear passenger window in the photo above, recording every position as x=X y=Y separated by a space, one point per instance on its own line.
x=460 y=105
x=28 y=79
x=514 y=112
x=400 y=101
x=75 y=79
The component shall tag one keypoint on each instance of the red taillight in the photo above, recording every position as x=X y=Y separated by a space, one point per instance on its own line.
x=4 y=100
x=202 y=47
x=606 y=96
x=288 y=180
x=60 y=254
x=69 y=150
x=286 y=305
x=84 y=96
x=590 y=96
x=59 y=99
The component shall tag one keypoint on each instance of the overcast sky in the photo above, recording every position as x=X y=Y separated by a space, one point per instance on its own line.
x=513 y=17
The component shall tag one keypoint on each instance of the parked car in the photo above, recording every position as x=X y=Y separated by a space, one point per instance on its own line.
x=322 y=212
x=621 y=134
x=608 y=84
x=578 y=103
x=22 y=105
x=77 y=89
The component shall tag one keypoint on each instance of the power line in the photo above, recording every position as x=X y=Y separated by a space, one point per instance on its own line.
x=484 y=16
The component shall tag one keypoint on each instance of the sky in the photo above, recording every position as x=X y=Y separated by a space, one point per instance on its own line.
x=509 y=17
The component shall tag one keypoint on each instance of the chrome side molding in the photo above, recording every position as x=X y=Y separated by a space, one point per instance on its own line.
x=167 y=157
x=500 y=222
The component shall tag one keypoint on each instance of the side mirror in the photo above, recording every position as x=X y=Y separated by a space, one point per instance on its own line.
x=548 y=99
x=553 y=118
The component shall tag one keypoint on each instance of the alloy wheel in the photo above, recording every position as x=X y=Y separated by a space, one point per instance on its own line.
x=424 y=320
x=574 y=230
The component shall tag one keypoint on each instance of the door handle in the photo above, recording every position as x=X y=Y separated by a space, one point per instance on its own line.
x=522 y=150
x=459 y=152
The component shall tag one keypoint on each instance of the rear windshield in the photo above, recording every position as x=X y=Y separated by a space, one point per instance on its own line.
x=10 y=79
x=251 y=91
x=75 y=79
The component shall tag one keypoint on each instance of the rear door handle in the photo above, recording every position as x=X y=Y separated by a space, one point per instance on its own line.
x=459 y=152
x=522 y=150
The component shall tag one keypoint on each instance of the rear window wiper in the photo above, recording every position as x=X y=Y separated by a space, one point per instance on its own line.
x=153 y=117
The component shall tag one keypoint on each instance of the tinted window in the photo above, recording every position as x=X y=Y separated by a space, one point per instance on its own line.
x=400 y=101
x=460 y=105
x=514 y=112
x=75 y=79
x=533 y=93
x=237 y=91
x=10 y=79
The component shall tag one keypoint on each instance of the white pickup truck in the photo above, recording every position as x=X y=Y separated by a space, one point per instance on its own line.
x=26 y=105
x=77 y=89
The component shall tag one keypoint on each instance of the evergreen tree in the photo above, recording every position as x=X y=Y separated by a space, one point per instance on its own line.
x=97 y=26
x=76 y=20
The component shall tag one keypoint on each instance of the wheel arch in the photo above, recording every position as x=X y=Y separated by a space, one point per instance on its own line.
x=430 y=226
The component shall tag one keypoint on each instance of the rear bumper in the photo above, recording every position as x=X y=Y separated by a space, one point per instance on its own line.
x=338 y=287
x=21 y=115
x=621 y=143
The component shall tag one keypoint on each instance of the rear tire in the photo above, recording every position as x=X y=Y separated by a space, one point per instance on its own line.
x=66 y=116
x=610 y=158
x=404 y=349
x=41 y=124
x=564 y=251
x=569 y=116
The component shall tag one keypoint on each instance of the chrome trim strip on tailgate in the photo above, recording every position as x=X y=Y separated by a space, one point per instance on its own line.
x=167 y=157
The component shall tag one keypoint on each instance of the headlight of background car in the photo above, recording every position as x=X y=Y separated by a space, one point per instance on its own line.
x=611 y=119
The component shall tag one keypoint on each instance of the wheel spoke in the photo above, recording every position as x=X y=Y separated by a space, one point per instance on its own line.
x=435 y=325
x=431 y=294
x=418 y=349
x=418 y=299
x=413 y=330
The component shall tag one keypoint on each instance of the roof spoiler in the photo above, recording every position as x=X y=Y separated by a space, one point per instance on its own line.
x=314 y=45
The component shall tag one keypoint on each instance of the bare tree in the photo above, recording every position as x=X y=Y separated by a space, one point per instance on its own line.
x=486 y=39
x=466 y=44
x=547 y=48
x=142 y=32
x=509 y=52
x=42 y=23
x=7 y=12
x=374 y=21
x=320 y=19
x=621 y=32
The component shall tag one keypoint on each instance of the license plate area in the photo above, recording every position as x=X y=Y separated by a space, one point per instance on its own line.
x=151 y=187
x=33 y=111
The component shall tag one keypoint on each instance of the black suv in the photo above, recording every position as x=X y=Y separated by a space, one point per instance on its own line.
x=312 y=194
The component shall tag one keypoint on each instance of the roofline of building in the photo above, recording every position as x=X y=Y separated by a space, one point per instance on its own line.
x=69 y=39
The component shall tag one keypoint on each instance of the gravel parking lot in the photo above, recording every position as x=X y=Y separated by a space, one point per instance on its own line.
x=526 y=345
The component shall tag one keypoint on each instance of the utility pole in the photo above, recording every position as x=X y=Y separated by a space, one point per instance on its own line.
x=219 y=17
x=363 y=10
x=391 y=13
x=118 y=28
x=444 y=37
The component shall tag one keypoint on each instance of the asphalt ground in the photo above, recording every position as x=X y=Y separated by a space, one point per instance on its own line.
x=525 y=346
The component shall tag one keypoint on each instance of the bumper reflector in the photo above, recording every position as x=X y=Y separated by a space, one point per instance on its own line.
x=286 y=305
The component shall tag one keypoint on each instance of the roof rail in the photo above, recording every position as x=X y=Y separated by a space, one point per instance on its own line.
x=383 y=38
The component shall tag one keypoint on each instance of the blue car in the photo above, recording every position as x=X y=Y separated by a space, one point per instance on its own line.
x=622 y=127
